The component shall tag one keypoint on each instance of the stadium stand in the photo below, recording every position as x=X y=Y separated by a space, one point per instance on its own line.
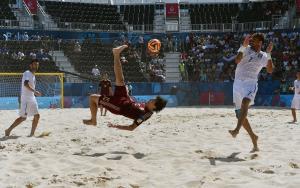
x=261 y=11
x=210 y=58
x=212 y=13
x=14 y=56
x=138 y=14
x=104 y=17
x=244 y=12
x=95 y=53
x=5 y=11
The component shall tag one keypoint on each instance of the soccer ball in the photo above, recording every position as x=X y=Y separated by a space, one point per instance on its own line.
x=154 y=46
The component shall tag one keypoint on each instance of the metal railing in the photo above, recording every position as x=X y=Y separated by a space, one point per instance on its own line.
x=222 y=27
x=89 y=26
x=83 y=1
x=14 y=24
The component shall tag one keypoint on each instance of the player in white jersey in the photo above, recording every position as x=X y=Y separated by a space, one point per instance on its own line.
x=29 y=105
x=296 y=99
x=250 y=60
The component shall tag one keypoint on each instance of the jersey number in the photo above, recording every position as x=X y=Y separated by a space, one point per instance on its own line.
x=250 y=59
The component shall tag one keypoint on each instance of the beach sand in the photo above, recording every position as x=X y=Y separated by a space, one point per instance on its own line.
x=179 y=147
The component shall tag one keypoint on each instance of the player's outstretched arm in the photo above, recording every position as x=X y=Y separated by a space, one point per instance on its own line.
x=242 y=49
x=123 y=127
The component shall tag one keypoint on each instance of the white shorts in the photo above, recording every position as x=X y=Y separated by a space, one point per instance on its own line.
x=296 y=102
x=243 y=89
x=28 y=108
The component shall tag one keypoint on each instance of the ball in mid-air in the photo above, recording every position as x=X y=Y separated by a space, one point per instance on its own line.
x=154 y=46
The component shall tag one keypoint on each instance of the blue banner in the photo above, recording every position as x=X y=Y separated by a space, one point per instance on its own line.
x=274 y=100
x=172 y=99
x=12 y=103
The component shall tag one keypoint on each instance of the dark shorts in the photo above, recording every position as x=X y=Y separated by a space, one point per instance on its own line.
x=120 y=95
x=120 y=91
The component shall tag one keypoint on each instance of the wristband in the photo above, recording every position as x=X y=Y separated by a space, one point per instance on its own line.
x=242 y=49
x=269 y=56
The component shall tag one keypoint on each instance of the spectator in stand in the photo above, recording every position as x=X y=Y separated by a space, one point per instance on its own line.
x=77 y=47
x=141 y=42
x=25 y=37
x=182 y=70
x=129 y=88
x=21 y=56
x=96 y=71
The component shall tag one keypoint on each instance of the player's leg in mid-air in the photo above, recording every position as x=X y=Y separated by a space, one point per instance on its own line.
x=94 y=99
x=120 y=81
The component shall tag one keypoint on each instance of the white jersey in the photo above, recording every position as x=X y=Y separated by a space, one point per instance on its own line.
x=250 y=65
x=297 y=88
x=27 y=94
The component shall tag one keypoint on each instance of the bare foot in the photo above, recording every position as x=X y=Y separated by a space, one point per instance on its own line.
x=254 y=149
x=293 y=122
x=119 y=49
x=31 y=135
x=89 y=122
x=233 y=133
x=7 y=133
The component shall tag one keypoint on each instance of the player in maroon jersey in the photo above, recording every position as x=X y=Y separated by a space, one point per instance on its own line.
x=121 y=103
x=105 y=90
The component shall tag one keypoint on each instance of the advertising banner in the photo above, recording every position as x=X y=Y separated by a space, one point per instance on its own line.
x=212 y=98
x=172 y=10
x=32 y=5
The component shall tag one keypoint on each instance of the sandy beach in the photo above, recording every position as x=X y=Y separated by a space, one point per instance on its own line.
x=177 y=148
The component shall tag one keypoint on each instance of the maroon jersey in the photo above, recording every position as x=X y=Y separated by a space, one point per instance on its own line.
x=121 y=104
x=105 y=85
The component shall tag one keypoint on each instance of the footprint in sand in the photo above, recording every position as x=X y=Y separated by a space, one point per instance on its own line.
x=134 y=186
x=114 y=158
x=293 y=165
x=139 y=155
x=119 y=152
x=78 y=183
x=75 y=140
x=269 y=172
x=198 y=151
x=265 y=171
x=253 y=156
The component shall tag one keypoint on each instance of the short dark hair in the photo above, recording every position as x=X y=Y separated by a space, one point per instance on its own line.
x=259 y=36
x=160 y=104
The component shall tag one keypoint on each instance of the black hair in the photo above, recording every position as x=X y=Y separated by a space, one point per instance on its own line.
x=160 y=104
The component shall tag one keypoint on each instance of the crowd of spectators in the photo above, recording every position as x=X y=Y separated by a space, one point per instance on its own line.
x=210 y=58
x=19 y=55
x=157 y=69
x=204 y=57
x=19 y=48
